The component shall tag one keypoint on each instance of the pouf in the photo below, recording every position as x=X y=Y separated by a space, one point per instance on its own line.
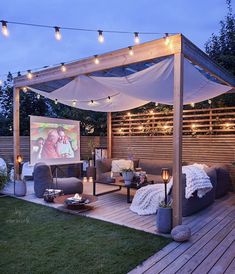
x=181 y=233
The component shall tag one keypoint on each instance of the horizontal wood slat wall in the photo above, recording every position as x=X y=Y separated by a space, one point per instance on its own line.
x=6 y=146
x=211 y=121
x=208 y=149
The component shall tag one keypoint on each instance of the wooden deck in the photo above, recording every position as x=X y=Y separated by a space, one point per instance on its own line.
x=211 y=248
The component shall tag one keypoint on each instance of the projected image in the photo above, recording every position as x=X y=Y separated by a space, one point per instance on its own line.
x=54 y=141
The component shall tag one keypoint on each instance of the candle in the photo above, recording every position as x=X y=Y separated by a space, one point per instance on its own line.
x=84 y=179
x=90 y=179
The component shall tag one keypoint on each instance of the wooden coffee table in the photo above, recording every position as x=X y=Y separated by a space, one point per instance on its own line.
x=119 y=184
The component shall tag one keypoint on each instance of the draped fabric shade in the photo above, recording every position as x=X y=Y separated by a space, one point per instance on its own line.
x=153 y=84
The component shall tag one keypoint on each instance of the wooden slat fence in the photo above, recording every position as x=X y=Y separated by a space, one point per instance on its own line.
x=212 y=121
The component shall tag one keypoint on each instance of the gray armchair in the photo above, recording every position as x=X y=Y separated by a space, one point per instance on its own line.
x=43 y=179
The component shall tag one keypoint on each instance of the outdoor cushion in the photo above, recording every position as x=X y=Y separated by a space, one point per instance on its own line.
x=119 y=165
x=69 y=185
x=154 y=166
x=223 y=180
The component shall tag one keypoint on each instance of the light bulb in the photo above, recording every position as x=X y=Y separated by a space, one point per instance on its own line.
x=56 y=101
x=92 y=101
x=136 y=39
x=209 y=102
x=96 y=60
x=0 y=82
x=29 y=74
x=5 y=31
x=74 y=103
x=131 y=52
x=193 y=126
x=100 y=36
x=24 y=89
x=109 y=99
x=192 y=105
x=38 y=96
x=58 y=35
x=63 y=67
x=128 y=113
x=167 y=39
x=156 y=104
x=151 y=112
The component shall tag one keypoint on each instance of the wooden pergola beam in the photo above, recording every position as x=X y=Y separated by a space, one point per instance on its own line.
x=200 y=58
x=109 y=135
x=143 y=52
x=16 y=129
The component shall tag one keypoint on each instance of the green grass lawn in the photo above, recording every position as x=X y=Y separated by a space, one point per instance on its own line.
x=38 y=239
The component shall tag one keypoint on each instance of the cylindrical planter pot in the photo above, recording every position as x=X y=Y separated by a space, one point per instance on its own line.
x=128 y=177
x=164 y=219
x=20 y=188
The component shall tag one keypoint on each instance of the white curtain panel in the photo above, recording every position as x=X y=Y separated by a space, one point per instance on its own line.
x=154 y=84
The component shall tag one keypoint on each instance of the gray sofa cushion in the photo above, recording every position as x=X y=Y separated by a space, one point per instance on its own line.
x=154 y=166
x=69 y=185
x=42 y=179
x=223 y=180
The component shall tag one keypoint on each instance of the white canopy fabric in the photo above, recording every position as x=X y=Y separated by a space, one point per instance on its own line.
x=154 y=84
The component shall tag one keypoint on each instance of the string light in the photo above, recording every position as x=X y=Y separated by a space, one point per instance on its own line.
x=100 y=36
x=131 y=52
x=156 y=104
x=192 y=105
x=38 y=96
x=24 y=89
x=58 y=35
x=0 y=82
x=167 y=39
x=109 y=99
x=193 y=126
x=29 y=74
x=63 y=67
x=209 y=102
x=5 y=31
x=151 y=112
x=92 y=101
x=56 y=101
x=74 y=103
x=136 y=38
x=128 y=113
x=96 y=60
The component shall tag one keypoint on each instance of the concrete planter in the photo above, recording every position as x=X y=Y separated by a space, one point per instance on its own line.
x=164 y=220
x=127 y=177
x=20 y=188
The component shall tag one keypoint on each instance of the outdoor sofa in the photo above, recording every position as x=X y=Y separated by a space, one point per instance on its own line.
x=43 y=179
x=218 y=173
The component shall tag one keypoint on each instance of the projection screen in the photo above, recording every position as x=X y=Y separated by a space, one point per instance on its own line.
x=54 y=141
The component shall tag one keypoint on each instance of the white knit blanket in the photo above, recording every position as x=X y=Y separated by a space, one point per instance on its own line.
x=147 y=199
x=196 y=180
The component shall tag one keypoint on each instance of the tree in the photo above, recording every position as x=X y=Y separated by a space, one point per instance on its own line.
x=221 y=47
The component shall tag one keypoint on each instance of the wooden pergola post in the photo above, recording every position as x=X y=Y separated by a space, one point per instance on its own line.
x=109 y=134
x=16 y=129
x=177 y=138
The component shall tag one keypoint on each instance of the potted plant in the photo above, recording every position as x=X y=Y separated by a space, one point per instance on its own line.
x=164 y=213
x=128 y=175
x=164 y=217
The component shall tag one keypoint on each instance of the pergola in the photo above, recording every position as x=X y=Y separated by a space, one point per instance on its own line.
x=181 y=47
